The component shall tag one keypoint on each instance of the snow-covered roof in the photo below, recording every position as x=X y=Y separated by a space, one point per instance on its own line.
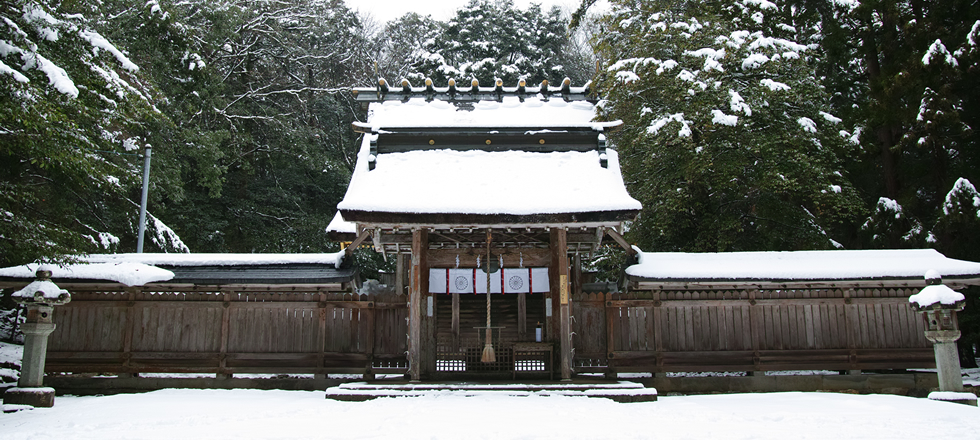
x=508 y=113
x=837 y=265
x=341 y=226
x=532 y=166
x=218 y=259
x=142 y=269
x=129 y=273
x=481 y=182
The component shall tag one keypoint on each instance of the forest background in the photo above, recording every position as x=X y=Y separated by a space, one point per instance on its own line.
x=750 y=124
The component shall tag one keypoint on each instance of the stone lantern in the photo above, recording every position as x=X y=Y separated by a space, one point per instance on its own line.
x=939 y=304
x=39 y=297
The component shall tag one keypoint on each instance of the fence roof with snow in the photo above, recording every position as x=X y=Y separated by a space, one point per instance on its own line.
x=837 y=268
x=484 y=155
x=193 y=269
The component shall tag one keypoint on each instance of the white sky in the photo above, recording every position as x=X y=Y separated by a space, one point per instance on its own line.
x=385 y=10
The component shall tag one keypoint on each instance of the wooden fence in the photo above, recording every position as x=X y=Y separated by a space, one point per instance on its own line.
x=229 y=332
x=749 y=330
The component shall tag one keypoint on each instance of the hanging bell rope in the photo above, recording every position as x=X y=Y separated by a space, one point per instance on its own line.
x=488 y=354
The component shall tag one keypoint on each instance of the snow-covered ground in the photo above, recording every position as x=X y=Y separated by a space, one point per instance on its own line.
x=256 y=414
x=253 y=414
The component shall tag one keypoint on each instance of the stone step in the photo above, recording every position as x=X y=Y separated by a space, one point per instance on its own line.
x=620 y=391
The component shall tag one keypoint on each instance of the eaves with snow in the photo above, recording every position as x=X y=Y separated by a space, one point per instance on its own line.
x=162 y=269
x=341 y=230
x=484 y=155
x=800 y=269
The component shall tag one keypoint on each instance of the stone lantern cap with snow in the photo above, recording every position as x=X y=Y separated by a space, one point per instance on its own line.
x=939 y=305
x=936 y=295
x=42 y=291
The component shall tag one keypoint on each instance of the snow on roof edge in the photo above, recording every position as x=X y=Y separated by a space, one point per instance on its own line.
x=339 y=225
x=799 y=265
x=214 y=259
x=140 y=269
x=128 y=273
x=565 y=183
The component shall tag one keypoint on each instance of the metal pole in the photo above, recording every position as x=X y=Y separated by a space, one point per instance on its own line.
x=146 y=189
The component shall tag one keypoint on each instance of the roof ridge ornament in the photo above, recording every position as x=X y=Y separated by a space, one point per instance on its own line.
x=406 y=90
x=429 y=91
x=474 y=86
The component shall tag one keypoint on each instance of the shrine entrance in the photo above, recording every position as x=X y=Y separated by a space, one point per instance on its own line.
x=517 y=314
x=517 y=321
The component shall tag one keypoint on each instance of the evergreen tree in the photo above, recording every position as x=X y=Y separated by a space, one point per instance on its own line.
x=890 y=227
x=75 y=112
x=959 y=221
x=261 y=90
x=900 y=73
x=729 y=142
x=400 y=50
x=492 y=39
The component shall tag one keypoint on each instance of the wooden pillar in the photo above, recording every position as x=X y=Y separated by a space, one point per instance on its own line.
x=128 y=332
x=559 y=289
x=522 y=317
x=429 y=326
x=321 y=336
x=401 y=261
x=225 y=329
x=756 y=326
x=371 y=313
x=852 y=327
x=419 y=284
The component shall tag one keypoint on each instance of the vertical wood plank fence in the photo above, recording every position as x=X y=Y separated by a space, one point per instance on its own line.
x=749 y=330
x=228 y=332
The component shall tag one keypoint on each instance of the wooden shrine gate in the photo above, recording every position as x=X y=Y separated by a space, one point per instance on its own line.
x=460 y=325
x=749 y=330
x=228 y=332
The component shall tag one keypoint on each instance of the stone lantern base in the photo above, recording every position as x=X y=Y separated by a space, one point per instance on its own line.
x=41 y=397
x=954 y=397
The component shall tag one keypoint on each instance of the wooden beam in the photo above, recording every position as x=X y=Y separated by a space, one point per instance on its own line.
x=622 y=241
x=401 y=262
x=467 y=257
x=467 y=240
x=440 y=220
x=357 y=242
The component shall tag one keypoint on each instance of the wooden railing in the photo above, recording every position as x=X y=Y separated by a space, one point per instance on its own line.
x=749 y=330
x=228 y=332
